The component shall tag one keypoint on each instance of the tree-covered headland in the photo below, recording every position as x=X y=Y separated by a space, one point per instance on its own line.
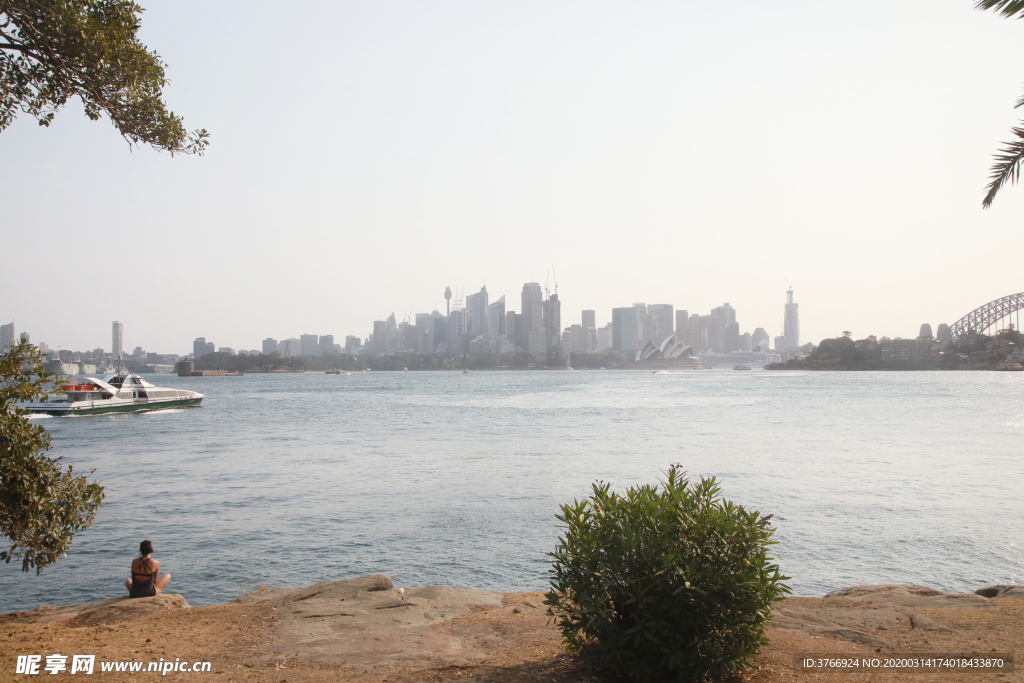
x=1001 y=351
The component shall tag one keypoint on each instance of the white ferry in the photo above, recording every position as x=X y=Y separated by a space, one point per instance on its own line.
x=118 y=393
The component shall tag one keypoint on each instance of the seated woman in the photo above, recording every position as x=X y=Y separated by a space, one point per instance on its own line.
x=144 y=582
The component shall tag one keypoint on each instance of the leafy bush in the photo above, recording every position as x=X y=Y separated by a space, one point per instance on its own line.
x=665 y=582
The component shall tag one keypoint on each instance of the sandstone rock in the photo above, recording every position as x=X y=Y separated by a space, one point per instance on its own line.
x=1001 y=591
x=912 y=596
x=365 y=624
x=923 y=622
x=102 y=611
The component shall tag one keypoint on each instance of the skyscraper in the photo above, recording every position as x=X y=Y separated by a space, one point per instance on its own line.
x=326 y=344
x=117 y=341
x=380 y=336
x=310 y=344
x=759 y=339
x=200 y=347
x=6 y=336
x=270 y=346
x=476 y=305
x=496 y=319
x=683 y=327
x=24 y=337
x=697 y=339
x=624 y=329
x=532 y=312
x=590 y=319
x=726 y=313
x=553 y=322
x=731 y=340
x=660 y=316
x=640 y=323
x=715 y=330
x=791 y=326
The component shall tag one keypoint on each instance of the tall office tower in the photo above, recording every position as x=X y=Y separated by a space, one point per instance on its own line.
x=696 y=328
x=532 y=312
x=590 y=319
x=423 y=320
x=200 y=347
x=624 y=329
x=457 y=329
x=942 y=333
x=726 y=313
x=578 y=337
x=604 y=338
x=496 y=319
x=780 y=343
x=23 y=337
x=640 y=321
x=270 y=345
x=511 y=331
x=6 y=336
x=380 y=336
x=291 y=347
x=926 y=332
x=326 y=344
x=731 y=341
x=439 y=331
x=45 y=348
x=665 y=317
x=760 y=339
x=351 y=343
x=716 y=334
x=310 y=344
x=745 y=345
x=117 y=345
x=477 y=305
x=590 y=343
x=553 y=322
x=683 y=327
x=391 y=343
x=791 y=326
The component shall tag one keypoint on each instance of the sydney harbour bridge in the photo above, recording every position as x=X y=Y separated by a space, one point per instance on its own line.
x=987 y=318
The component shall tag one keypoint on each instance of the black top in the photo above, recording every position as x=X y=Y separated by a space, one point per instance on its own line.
x=143 y=585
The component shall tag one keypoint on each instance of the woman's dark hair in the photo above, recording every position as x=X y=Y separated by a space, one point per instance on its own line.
x=145 y=548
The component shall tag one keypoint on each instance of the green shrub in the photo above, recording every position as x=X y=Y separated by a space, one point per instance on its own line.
x=665 y=582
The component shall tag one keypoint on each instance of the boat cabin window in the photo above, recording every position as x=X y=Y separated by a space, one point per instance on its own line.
x=116 y=382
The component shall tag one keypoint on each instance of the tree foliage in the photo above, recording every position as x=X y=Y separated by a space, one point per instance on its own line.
x=42 y=505
x=53 y=50
x=1008 y=160
x=667 y=582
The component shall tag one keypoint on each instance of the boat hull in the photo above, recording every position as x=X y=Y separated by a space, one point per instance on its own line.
x=63 y=410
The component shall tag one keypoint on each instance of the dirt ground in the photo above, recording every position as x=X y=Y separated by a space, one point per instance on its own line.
x=517 y=643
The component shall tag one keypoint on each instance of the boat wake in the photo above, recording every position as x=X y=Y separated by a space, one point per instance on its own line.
x=38 y=416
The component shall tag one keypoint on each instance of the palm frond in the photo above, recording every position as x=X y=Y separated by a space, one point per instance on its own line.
x=1008 y=8
x=1006 y=167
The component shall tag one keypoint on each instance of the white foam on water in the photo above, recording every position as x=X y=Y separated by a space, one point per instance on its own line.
x=39 y=416
x=166 y=411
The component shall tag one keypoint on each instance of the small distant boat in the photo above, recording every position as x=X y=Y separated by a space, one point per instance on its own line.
x=741 y=366
x=332 y=371
x=405 y=369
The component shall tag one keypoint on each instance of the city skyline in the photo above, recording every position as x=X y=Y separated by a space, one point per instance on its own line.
x=608 y=149
x=718 y=332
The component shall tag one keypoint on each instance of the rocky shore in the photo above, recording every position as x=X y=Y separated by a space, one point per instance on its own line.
x=365 y=630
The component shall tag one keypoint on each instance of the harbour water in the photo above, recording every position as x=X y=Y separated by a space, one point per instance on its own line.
x=451 y=478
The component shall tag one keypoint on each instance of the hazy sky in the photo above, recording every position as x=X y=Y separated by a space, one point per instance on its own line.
x=365 y=155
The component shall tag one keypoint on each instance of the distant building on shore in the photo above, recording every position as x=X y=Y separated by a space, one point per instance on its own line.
x=791 y=326
x=201 y=347
x=117 y=340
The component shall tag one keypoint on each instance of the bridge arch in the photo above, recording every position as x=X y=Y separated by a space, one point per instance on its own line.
x=982 y=320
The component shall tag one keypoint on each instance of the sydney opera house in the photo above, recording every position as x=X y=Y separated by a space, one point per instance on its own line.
x=671 y=353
